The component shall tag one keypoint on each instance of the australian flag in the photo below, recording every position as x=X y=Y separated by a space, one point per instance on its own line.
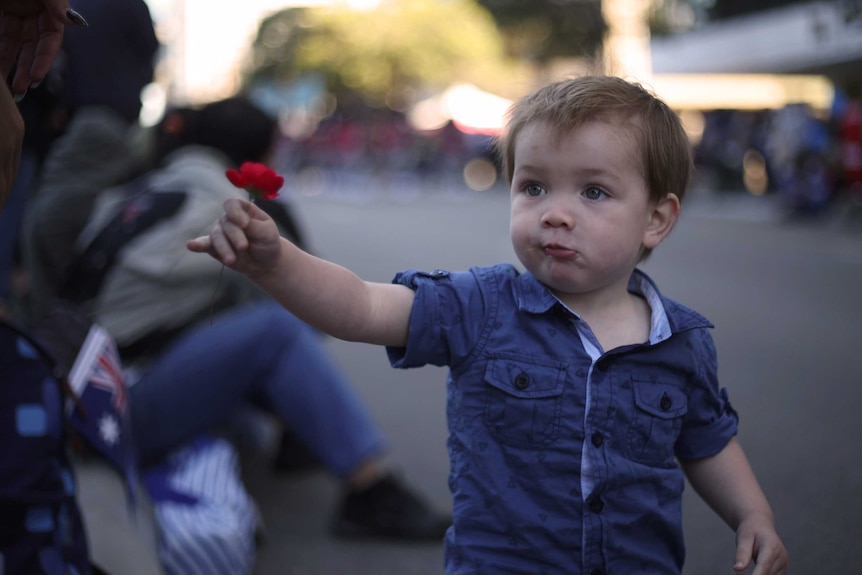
x=98 y=381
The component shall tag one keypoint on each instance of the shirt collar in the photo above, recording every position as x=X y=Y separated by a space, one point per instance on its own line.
x=532 y=295
x=668 y=316
x=659 y=330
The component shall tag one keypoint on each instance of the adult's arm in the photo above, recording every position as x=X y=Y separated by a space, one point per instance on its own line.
x=11 y=138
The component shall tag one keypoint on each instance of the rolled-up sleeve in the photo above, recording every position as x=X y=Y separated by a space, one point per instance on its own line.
x=711 y=421
x=445 y=319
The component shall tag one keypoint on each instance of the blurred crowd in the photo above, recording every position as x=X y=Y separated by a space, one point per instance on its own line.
x=811 y=161
x=379 y=141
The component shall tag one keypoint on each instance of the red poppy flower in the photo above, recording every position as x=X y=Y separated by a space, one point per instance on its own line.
x=258 y=180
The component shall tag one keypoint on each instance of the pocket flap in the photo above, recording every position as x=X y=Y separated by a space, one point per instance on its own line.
x=660 y=400
x=526 y=378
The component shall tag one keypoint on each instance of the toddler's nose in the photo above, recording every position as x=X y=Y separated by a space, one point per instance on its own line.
x=557 y=214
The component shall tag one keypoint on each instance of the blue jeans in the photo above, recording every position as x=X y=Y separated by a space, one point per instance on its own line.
x=254 y=354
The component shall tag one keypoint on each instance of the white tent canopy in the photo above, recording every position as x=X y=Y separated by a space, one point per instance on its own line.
x=471 y=109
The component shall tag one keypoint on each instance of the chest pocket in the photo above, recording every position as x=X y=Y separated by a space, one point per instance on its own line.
x=524 y=400
x=656 y=422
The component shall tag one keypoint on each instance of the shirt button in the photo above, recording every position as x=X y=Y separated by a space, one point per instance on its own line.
x=603 y=364
x=522 y=381
x=666 y=402
x=597 y=438
x=596 y=504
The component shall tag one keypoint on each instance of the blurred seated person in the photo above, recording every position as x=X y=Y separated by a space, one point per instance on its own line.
x=103 y=71
x=205 y=341
x=109 y=64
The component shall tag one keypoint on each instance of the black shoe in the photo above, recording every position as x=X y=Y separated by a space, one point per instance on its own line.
x=389 y=510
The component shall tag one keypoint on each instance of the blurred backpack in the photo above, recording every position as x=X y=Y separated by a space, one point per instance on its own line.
x=41 y=531
x=137 y=210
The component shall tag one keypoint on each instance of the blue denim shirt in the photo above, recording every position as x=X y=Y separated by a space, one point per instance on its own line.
x=563 y=456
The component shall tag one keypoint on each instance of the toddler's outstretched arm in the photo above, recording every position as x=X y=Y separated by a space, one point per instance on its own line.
x=727 y=483
x=323 y=294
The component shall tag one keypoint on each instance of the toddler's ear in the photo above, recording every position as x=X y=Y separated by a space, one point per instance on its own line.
x=661 y=220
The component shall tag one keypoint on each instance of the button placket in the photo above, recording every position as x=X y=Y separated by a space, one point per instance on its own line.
x=603 y=364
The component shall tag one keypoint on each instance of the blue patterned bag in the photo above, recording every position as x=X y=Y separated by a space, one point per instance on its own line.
x=41 y=532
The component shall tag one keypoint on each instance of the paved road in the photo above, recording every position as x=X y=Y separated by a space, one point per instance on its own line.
x=785 y=301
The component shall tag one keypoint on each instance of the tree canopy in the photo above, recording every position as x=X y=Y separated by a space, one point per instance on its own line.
x=422 y=45
x=541 y=30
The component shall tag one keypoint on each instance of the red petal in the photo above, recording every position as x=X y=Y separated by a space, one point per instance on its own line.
x=236 y=178
x=271 y=182
x=252 y=170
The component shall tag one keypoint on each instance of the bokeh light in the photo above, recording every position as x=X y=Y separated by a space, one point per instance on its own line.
x=480 y=174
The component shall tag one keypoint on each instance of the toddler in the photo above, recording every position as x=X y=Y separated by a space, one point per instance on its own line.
x=578 y=396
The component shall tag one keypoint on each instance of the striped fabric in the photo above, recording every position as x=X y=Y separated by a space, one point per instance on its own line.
x=206 y=519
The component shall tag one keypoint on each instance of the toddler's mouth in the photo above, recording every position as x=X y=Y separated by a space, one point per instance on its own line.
x=559 y=251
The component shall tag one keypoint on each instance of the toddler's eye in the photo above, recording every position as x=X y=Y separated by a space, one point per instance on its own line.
x=534 y=190
x=594 y=193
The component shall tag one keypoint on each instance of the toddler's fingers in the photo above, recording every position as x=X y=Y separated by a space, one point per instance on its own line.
x=234 y=234
x=201 y=244
x=236 y=211
x=221 y=247
x=744 y=546
x=770 y=561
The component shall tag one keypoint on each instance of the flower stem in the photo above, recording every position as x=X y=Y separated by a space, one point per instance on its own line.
x=215 y=293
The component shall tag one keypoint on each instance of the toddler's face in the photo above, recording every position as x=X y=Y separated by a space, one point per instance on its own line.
x=580 y=207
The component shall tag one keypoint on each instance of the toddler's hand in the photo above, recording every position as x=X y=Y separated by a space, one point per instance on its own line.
x=757 y=540
x=245 y=239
